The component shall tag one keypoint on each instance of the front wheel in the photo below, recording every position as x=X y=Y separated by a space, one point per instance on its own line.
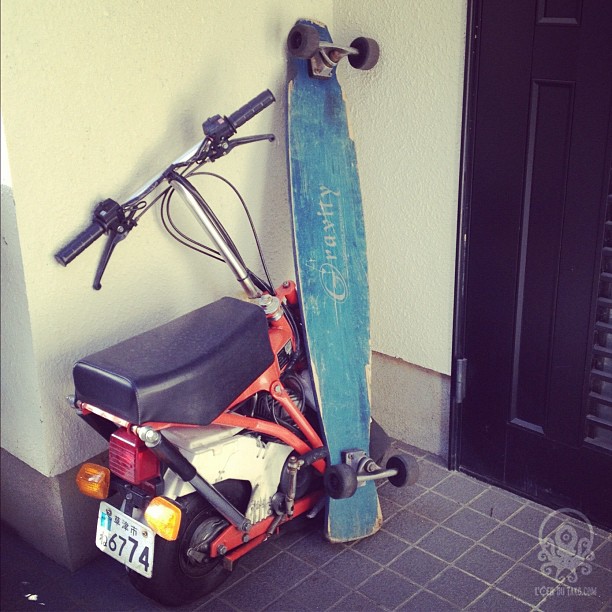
x=180 y=574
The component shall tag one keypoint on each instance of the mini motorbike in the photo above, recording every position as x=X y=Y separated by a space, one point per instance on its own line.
x=214 y=442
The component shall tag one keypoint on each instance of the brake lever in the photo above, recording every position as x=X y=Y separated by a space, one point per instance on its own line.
x=117 y=225
x=114 y=238
x=224 y=147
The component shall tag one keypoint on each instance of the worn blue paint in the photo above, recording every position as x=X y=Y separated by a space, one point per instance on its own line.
x=330 y=250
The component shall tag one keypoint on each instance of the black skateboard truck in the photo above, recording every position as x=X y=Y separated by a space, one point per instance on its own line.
x=343 y=479
x=304 y=42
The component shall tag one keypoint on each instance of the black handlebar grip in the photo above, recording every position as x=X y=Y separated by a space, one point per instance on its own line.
x=79 y=244
x=250 y=109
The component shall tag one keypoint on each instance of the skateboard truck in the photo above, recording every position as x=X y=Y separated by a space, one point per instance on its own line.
x=304 y=42
x=323 y=62
x=357 y=468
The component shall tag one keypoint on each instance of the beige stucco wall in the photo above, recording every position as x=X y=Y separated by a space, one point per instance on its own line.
x=406 y=117
x=97 y=96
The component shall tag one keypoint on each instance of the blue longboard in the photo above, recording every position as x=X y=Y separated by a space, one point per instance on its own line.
x=332 y=276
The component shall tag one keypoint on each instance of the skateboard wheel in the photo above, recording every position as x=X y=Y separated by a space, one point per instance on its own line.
x=407 y=470
x=368 y=55
x=340 y=481
x=303 y=41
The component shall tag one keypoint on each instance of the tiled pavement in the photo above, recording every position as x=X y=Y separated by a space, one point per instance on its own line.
x=449 y=542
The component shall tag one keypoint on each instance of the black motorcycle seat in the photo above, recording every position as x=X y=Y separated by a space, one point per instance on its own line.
x=185 y=371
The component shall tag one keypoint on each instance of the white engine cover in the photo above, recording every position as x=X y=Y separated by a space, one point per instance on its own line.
x=219 y=453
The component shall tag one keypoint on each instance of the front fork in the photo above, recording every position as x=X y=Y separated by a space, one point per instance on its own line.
x=208 y=221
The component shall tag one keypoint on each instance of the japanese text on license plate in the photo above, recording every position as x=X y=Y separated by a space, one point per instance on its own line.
x=125 y=539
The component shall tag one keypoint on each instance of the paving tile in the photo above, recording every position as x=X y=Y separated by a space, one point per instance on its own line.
x=497 y=504
x=525 y=584
x=317 y=592
x=562 y=568
x=291 y=569
x=605 y=534
x=258 y=556
x=388 y=589
x=216 y=604
x=238 y=573
x=434 y=506
x=116 y=592
x=532 y=559
x=430 y=474
x=401 y=495
x=457 y=587
x=484 y=563
x=543 y=558
x=409 y=526
x=470 y=523
x=315 y=549
x=598 y=579
x=356 y=602
x=460 y=487
x=286 y=539
x=582 y=529
x=531 y=520
x=253 y=592
x=445 y=544
x=388 y=507
x=499 y=602
x=578 y=531
x=603 y=555
x=580 y=597
x=424 y=600
x=418 y=566
x=510 y=542
x=382 y=547
x=350 y=568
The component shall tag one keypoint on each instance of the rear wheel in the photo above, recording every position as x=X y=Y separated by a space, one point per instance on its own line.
x=180 y=573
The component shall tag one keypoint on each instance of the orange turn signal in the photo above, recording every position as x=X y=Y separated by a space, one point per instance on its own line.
x=164 y=518
x=93 y=480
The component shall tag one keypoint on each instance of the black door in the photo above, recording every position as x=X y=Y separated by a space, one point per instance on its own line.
x=533 y=332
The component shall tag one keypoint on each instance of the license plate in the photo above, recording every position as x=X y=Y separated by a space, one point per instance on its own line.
x=125 y=539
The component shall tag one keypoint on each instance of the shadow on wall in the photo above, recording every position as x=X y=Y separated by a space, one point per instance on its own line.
x=19 y=363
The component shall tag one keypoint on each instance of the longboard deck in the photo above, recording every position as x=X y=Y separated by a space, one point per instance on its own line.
x=332 y=276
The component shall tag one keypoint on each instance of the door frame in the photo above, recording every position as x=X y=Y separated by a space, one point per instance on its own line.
x=470 y=84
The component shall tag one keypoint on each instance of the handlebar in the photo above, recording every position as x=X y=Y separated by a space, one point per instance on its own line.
x=110 y=217
x=79 y=244
x=252 y=108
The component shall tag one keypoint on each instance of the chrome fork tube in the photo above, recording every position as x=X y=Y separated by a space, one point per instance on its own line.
x=200 y=209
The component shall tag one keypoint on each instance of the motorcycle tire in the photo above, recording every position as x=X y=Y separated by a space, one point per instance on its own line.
x=177 y=579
